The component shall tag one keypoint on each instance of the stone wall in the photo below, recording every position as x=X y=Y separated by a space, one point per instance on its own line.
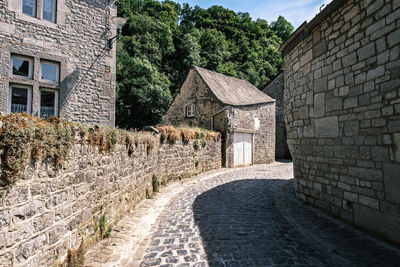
x=193 y=91
x=342 y=108
x=49 y=211
x=77 y=42
x=275 y=90
x=242 y=120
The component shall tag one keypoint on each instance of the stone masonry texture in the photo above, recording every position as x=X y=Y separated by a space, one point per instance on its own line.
x=275 y=90
x=245 y=217
x=50 y=211
x=226 y=119
x=77 y=42
x=342 y=112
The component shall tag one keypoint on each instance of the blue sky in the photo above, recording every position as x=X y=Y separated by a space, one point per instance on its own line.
x=295 y=11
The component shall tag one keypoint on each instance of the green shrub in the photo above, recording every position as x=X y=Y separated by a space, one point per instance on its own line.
x=196 y=144
x=105 y=231
x=203 y=142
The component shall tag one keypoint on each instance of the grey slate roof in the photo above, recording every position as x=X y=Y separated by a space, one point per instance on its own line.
x=232 y=91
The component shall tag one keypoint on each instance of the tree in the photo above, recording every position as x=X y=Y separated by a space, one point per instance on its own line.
x=162 y=40
x=282 y=28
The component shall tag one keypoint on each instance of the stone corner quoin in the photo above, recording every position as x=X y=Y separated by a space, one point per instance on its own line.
x=342 y=113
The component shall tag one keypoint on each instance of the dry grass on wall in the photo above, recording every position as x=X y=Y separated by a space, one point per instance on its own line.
x=25 y=139
x=172 y=134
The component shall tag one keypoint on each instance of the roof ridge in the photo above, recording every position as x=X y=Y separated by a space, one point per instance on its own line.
x=230 y=77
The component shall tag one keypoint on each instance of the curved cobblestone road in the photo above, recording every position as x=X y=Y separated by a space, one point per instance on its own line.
x=249 y=217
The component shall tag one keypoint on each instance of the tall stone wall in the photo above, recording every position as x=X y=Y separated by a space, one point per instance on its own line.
x=275 y=90
x=342 y=108
x=77 y=42
x=50 y=211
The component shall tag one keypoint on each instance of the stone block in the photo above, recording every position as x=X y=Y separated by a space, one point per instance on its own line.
x=391 y=173
x=319 y=105
x=320 y=85
x=379 y=222
x=376 y=73
x=3 y=240
x=30 y=248
x=396 y=4
x=334 y=104
x=351 y=196
x=327 y=127
x=319 y=48
x=366 y=173
x=303 y=112
x=393 y=38
x=351 y=128
x=349 y=60
x=375 y=5
x=366 y=51
x=368 y=201
x=22 y=232
x=307 y=57
x=351 y=102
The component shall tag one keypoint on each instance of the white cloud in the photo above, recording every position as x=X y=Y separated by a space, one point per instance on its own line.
x=295 y=12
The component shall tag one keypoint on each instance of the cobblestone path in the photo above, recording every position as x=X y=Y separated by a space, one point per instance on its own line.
x=249 y=217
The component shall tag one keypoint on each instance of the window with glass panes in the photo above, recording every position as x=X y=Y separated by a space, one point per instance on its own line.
x=190 y=111
x=29 y=7
x=49 y=10
x=20 y=99
x=49 y=71
x=22 y=66
x=48 y=103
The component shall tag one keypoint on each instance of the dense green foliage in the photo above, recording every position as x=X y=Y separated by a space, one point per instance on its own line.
x=162 y=40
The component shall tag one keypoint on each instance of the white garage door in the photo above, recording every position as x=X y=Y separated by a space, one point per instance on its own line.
x=242 y=149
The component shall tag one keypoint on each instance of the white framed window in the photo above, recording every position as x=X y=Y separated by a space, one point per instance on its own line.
x=21 y=66
x=190 y=111
x=49 y=9
x=20 y=99
x=49 y=71
x=29 y=7
x=48 y=102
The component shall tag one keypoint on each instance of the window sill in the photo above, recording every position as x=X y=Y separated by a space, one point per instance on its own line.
x=48 y=84
x=41 y=22
x=21 y=80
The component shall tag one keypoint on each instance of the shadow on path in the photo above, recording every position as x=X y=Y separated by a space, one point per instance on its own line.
x=257 y=222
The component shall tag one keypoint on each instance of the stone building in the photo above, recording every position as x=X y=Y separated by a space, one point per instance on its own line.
x=342 y=109
x=54 y=59
x=275 y=90
x=243 y=114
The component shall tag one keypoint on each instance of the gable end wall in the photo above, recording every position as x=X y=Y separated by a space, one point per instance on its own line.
x=193 y=91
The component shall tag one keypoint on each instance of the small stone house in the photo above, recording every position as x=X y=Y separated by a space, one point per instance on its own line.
x=54 y=59
x=243 y=114
x=275 y=90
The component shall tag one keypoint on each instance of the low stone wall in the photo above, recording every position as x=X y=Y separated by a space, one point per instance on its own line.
x=342 y=112
x=50 y=211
